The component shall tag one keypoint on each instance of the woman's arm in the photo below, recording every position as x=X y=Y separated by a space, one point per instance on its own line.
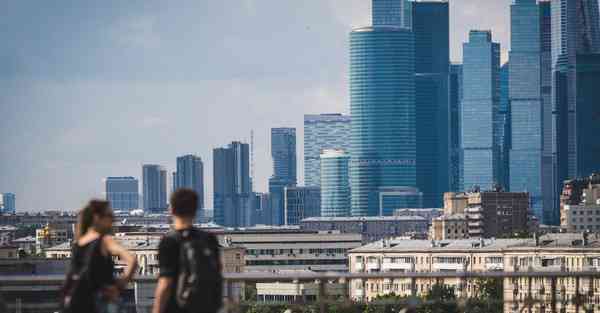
x=114 y=248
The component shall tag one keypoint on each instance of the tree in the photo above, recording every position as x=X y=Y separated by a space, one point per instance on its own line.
x=440 y=299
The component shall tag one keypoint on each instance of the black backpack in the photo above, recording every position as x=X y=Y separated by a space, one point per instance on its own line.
x=77 y=292
x=199 y=281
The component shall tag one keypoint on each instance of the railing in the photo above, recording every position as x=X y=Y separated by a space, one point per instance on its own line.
x=311 y=292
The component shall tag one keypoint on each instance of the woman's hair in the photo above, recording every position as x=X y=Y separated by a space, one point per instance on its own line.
x=86 y=215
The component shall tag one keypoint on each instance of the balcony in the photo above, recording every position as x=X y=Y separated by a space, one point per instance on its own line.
x=449 y=267
x=359 y=266
x=373 y=266
x=402 y=266
x=494 y=266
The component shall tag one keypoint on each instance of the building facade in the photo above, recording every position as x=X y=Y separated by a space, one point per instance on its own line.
x=575 y=31
x=526 y=102
x=495 y=214
x=480 y=111
x=382 y=105
x=322 y=132
x=394 y=198
x=335 y=183
x=431 y=30
x=283 y=153
x=8 y=203
x=391 y=13
x=301 y=203
x=371 y=228
x=580 y=205
x=455 y=94
x=231 y=181
x=190 y=174
x=122 y=193
x=154 y=180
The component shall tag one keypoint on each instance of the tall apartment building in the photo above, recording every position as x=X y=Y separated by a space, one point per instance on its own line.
x=231 y=180
x=580 y=205
x=122 y=193
x=301 y=203
x=154 y=180
x=323 y=132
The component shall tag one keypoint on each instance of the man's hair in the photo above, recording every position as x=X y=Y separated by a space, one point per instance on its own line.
x=184 y=202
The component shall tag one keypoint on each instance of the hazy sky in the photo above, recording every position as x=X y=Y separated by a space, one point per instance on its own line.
x=90 y=89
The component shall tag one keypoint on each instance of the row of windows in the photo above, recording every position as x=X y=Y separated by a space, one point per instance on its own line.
x=295 y=262
x=256 y=252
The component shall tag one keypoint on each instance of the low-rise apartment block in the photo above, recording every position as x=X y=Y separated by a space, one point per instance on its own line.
x=580 y=205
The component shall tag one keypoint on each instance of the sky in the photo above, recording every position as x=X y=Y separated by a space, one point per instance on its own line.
x=90 y=89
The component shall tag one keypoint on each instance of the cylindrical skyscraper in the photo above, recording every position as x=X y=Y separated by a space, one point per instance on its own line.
x=382 y=105
x=335 y=183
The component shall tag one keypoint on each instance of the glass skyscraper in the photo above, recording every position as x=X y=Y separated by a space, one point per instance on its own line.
x=432 y=54
x=283 y=152
x=526 y=111
x=575 y=31
x=394 y=198
x=455 y=85
x=154 y=181
x=321 y=132
x=391 y=13
x=382 y=105
x=301 y=203
x=122 y=193
x=335 y=183
x=588 y=114
x=548 y=188
x=502 y=127
x=233 y=197
x=7 y=203
x=480 y=111
x=190 y=174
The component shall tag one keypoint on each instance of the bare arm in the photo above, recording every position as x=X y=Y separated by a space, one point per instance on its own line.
x=114 y=248
x=161 y=294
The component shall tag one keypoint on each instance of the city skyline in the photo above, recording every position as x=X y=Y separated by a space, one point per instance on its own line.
x=77 y=141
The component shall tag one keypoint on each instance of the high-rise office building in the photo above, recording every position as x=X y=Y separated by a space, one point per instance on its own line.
x=122 y=193
x=526 y=106
x=480 y=111
x=502 y=128
x=455 y=93
x=7 y=203
x=431 y=30
x=232 y=191
x=321 y=132
x=261 y=209
x=394 y=198
x=335 y=183
x=391 y=13
x=548 y=188
x=190 y=174
x=154 y=181
x=588 y=113
x=283 y=152
x=301 y=203
x=382 y=105
x=575 y=31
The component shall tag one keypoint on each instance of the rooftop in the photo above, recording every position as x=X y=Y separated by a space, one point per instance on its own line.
x=365 y=218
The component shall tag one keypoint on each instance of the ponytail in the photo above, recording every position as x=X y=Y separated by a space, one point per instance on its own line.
x=86 y=216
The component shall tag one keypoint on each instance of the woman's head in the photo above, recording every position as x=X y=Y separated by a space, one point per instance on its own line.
x=96 y=214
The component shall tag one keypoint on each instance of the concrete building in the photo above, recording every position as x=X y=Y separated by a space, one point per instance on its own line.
x=122 y=193
x=580 y=205
x=371 y=228
x=154 y=191
x=480 y=111
x=335 y=183
x=382 y=105
x=449 y=227
x=428 y=214
x=554 y=252
x=190 y=174
x=232 y=189
x=277 y=248
x=497 y=214
x=301 y=203
x=7 y=203
x=323 y=132
x=52 y=235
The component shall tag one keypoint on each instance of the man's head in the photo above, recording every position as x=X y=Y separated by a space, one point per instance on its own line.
x=184 y=203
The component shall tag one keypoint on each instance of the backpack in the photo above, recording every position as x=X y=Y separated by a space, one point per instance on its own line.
x=77 y=292
x=199 y=281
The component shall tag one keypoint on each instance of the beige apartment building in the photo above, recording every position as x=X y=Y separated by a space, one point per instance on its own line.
x=580 y=205
x=552 y=252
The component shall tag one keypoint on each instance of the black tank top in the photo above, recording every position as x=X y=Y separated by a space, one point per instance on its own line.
x=101 y=269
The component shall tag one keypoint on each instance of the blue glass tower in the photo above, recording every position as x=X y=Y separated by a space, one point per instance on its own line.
x=548 y=188
x=335 y=183
x=432 y=54
x=122 y=193
x=7 y=203
x=588 y=114
x=526 y=110
x=455 y=85
x=321 y=132
x=480 y=111
x=283 y=152
x=396 y=13
x=154 y=191
x=190 y=174
x=233 y=198
x=503 y=127
x=575 y=31
x=382 y=105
